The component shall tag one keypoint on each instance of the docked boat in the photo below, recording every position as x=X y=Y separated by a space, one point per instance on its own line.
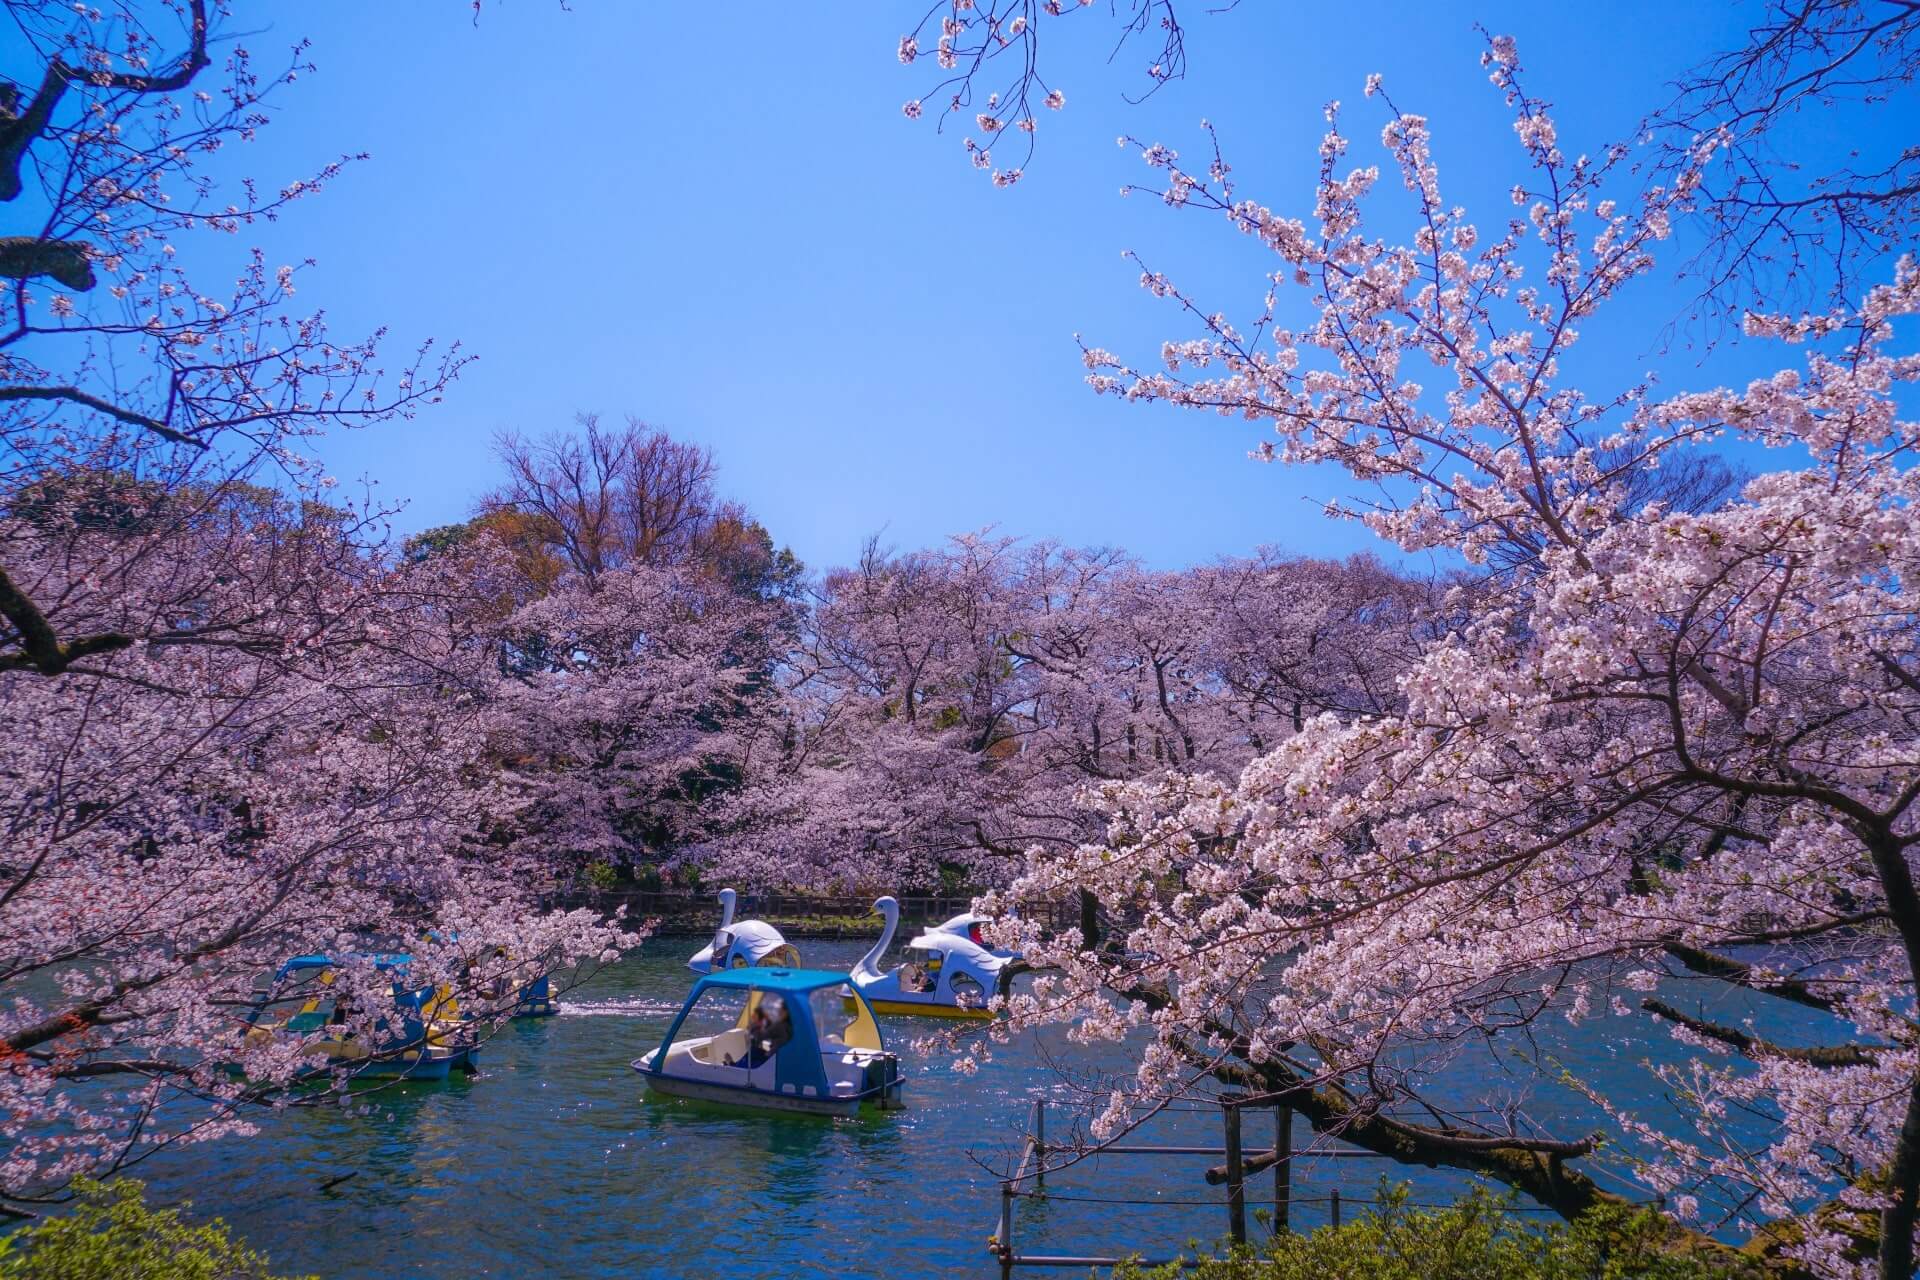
x=425 y=1037
x=738 y=943
x=780 y=1039
x=942 y=975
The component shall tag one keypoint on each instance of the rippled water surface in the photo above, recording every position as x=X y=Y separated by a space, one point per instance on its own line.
x=555 y=1162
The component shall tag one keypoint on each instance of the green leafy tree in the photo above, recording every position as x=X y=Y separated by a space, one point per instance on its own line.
x=112 y=1233
x=1479 y=1237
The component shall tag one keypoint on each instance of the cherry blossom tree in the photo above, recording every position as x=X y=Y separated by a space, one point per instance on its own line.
x=110 y=126
x=1654 y=745
x=293 y=762
x=988 y=57
x=1781 y=208
x=945 y=708
x=628 y=700
x=637 y=632
x=237 y=729
x=880 y=766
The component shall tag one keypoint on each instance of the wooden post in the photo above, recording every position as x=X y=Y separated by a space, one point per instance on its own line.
x=1236 y=1184
x=1336 y=1209
x=1040 y=1142
x=1282 y=1167
x=1006 y=1231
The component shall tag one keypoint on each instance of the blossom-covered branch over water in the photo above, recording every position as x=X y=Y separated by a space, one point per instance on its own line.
x=1657 y=741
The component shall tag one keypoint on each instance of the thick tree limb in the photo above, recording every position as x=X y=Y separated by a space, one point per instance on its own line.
x=1727 y=969
x=41 y=649
x=75 y=395
x=18 y=131
x=1844 y=1055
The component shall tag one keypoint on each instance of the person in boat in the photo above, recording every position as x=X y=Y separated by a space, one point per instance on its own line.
x=914 y=978
x=770 y=1027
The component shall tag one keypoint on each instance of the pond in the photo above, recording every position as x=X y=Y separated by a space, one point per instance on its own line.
x=556 y=1162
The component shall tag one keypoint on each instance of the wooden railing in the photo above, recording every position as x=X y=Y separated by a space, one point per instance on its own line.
x=802 y=915
x=1241 y=1165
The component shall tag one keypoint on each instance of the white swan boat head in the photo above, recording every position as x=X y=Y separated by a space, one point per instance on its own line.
x=738 y=943
x=943 y=975
x=781 y=1039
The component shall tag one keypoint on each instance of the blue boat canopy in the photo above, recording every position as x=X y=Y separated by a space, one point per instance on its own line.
x=381 y=960
x=389 y=962
x=820 y=1049
x=755 y=979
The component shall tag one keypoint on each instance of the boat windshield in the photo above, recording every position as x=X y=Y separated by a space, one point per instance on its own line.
x=718 y=1010
x=843 y=1020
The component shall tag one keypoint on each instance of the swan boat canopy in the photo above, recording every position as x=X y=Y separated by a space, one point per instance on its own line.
x=780 y=1039
x=743 y=943
x=943 y=975
x=968 y=925
x=425 y=1037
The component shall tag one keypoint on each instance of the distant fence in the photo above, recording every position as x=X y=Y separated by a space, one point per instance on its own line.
x=800 y=915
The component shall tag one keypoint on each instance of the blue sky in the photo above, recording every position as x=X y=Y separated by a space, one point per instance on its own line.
x=715 y=217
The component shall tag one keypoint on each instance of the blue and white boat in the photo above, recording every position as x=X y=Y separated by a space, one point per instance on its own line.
x=424 y=1039
x=972 y=927
x=743 y=942
x=535 y=1000
x=779 y=1039
x=943 y=975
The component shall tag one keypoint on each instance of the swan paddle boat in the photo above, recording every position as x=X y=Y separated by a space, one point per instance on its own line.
x=781 y=1039
x=944 y=975
x=968 y=925
x=424 y=1037
x=743 y=943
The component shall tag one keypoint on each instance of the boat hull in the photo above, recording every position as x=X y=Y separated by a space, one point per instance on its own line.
x=429 y=1067
x=701 y=1091
x=433 y=1066
x=916 y=1010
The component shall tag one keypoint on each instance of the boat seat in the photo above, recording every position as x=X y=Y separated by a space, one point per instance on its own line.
x=728 y=1044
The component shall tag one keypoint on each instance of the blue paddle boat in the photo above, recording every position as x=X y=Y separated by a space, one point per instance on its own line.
x=781 y=1039
x=533 y=999
x=424 y=1039
x=536 y=1000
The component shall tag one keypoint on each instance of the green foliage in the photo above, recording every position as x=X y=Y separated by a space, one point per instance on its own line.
x=600 y=875
x=1479 y=1237
x=443 y=538
x=112 y=1233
